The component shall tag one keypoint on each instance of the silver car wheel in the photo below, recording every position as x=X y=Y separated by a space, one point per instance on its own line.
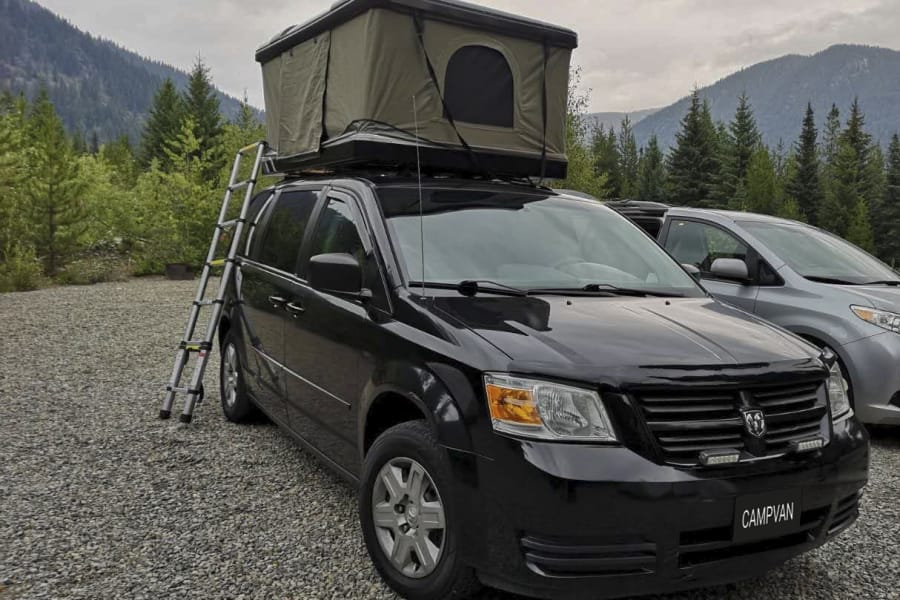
x=409 y=517
x=230 y=375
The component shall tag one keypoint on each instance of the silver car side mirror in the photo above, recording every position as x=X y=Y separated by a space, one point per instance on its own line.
x=732 y=269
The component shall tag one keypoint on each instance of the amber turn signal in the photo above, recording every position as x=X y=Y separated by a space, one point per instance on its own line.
x=512 y=405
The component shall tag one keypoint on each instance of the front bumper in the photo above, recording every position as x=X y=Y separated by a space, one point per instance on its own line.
x=874 y=365
x=560 y=521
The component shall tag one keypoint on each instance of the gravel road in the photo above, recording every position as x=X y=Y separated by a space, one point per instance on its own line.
x=99 y=499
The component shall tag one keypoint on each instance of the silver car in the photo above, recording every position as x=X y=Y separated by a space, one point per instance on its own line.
x=808 y=281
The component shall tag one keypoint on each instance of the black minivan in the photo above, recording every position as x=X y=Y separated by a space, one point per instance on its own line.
x=530 y=393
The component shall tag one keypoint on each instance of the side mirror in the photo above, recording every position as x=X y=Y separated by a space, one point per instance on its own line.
x=732 y=269
x=692 y=269
x=336 y=273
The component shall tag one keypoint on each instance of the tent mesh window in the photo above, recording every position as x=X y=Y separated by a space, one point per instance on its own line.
x=478 y=87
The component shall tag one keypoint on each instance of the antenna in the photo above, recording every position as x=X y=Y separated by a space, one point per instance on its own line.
x=421 y=210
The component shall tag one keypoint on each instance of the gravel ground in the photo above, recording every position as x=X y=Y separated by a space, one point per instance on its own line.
x=99 y=499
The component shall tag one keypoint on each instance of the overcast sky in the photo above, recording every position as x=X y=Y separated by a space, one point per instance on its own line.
x=634 y=53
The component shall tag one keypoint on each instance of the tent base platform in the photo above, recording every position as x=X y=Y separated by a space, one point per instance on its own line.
x=366 y=150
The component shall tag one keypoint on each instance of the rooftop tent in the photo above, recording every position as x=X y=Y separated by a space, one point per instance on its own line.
x=489 y=87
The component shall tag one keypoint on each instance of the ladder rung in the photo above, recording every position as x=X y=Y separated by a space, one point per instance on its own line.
x=219 y=262
x=195 y=346
x=241 y=185
x=184 y=390
x=230 y=223
x=208 y=302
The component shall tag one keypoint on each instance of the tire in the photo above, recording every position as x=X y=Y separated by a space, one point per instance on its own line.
x=236 y=404
x=403 y=454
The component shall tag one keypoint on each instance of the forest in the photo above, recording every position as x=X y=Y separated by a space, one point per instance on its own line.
x=73 y=211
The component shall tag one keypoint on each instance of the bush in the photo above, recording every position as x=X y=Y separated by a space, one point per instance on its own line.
x=104 y=262
x=21 y=270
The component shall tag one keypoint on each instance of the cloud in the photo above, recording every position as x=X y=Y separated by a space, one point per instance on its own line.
x=633 y=55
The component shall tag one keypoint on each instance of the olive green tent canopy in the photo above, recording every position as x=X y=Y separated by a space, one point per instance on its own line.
x=369 y=80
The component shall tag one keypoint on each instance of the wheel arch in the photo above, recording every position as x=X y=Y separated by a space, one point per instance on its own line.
x=401 y=393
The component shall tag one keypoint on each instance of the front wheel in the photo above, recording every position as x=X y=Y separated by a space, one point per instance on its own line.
x=409 y=523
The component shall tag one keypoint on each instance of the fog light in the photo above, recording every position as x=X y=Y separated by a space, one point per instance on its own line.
x=711 y=458
x=807 y=445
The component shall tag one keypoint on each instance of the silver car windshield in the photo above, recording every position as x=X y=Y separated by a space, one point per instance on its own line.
x=529 y=241
x=817 y=254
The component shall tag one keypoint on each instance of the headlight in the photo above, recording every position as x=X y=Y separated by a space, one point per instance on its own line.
x=546 y=411
x=881 y=318
x=837 y=393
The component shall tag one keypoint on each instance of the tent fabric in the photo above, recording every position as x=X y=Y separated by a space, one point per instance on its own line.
x=506 y=93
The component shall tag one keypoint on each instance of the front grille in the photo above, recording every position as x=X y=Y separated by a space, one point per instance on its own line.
x=687 y=421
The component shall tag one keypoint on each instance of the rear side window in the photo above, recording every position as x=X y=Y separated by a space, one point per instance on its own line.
x=699 y=244
x=279 y=244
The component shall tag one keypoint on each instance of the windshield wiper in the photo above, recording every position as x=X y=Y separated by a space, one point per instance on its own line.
x=471 y=287
x=894 y=282
x=834 y=280
x=609 y=289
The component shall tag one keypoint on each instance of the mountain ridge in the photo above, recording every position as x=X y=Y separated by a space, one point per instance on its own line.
x=779 y=89
x=96 y=85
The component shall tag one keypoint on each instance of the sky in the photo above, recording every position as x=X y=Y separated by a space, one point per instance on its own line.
x=633 y=54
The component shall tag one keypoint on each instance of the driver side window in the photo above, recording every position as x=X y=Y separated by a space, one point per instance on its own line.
x=699 y=244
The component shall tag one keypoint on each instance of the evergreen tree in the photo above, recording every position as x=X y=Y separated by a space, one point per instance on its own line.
x=886 y=210
x=804 y=187
x=628 y=159
x=652 y=174
x=606 y=159
x=95 y=142
x=693 y=164
x=859 y=230
x=738 y=147
x=54 y=187
x=581 y=174
x=202 y=108
x=830 y=135
x=762 y=191
x=163 y=123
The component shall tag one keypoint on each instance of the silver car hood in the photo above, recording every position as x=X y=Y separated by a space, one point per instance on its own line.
x=878 y=296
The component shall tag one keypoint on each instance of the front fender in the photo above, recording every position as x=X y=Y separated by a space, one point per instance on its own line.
x=442 y=393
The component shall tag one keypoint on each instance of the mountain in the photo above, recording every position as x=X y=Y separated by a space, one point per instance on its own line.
x=96 y=85
x=779 y=90
x=614 y=119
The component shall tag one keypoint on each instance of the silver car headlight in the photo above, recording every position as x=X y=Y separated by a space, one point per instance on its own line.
x=880 y=318
x=837 y=393
x=545 y=410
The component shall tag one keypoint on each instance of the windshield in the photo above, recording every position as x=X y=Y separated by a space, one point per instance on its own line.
x=814 y=253
x=526 y=240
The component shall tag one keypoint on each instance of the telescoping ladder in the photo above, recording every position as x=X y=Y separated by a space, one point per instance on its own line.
x=202 y=347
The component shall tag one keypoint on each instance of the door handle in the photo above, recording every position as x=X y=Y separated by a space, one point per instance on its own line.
x=277 y=301
x=295 y=309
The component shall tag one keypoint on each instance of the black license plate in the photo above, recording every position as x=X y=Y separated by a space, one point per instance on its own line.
x=768 y=515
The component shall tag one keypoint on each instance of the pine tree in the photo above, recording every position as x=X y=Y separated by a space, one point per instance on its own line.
x=606 y=159
x=693 y=164
x=886 y=210
x=859 y=230
x=762 y=191
x=804 y=187
x=628 y=159
x=54 y=187
x=830 y=135
x=163 y=123
x=738 y=147
x=202 y=108
x=652 y=174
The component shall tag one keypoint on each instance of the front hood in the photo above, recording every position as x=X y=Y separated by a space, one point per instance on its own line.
x=878 y=296
x=602 y=332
